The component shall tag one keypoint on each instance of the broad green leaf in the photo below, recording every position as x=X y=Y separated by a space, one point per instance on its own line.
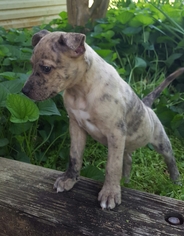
x=146 y=35
x=96 y=35
x=172 y=58
x=125 y=16
x=103 y=52
x=21 y=156
x=98 y=29
x=144 y=19
x=22 y=109
x=63 y=15
x=166 y=10
x=43 y=134
x=20 y=128
x=121 y=71
x=158 y=29
x=174 y=97
x=180 y=129
x=13 y=76
x=3 y=95
x=92 y=172
x=166 y=115
x=24 y=77
x=177 y=125
x=27 y=50
x=114 y=56
x=102 y=21
x=3 y=50
x=13 y=86
x=106 y=27
x=181 y=44
x=108 y=34
x=7 y=62
x=18 y=37
x=139 y=62
x=158 y=16
x=131 y=30
x=1 y=40
x=8 y=75
x=3 y=142
x=163 y=39
x=134 y=22
x=47 y=108
x=171 y=12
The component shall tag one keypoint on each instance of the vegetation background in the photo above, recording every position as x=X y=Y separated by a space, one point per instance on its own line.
x=144 y=42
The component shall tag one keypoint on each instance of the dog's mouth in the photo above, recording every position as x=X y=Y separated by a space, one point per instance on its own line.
x=37 y=95
x=53 y=94
x=41 y=99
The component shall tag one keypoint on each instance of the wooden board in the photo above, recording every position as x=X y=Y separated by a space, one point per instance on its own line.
x=21 y=13
x=30 y=206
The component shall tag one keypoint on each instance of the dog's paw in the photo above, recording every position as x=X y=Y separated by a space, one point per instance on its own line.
x=109 y=196
x=64 y=183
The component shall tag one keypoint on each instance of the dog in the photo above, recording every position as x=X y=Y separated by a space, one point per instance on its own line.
x=99 y=103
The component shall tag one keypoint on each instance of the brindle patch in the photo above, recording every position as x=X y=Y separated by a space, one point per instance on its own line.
x=53 y=48
x=74 y=72
x=121 y=125
x=106 y=97
x=164 y=147
x=72 y=171
x=136 y=118
x=37 y=74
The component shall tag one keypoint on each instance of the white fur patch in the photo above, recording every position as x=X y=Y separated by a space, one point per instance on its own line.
x=83 y=119
x=59 y=190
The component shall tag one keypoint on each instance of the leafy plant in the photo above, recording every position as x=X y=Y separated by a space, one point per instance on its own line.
x=144 y=42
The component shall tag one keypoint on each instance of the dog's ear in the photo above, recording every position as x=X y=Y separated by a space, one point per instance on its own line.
x=36 y=37
x=73 y=43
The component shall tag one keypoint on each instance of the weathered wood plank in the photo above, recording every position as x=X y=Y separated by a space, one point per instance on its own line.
x=30 y=206
x=32 y=12
x=27 y=22
x=18 y=4
x=20 y=13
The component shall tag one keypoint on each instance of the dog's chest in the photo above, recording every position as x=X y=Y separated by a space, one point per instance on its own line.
x=84 y=120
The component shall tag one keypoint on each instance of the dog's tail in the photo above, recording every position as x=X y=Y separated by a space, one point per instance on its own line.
x=149 y=99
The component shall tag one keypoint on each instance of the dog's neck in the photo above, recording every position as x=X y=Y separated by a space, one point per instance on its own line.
x=84 y=80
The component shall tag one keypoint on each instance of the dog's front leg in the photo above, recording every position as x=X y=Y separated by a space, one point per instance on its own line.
x=78 y=140
x=110 y=195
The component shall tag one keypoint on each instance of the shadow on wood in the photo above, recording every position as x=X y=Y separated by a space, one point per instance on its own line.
x=30 y=206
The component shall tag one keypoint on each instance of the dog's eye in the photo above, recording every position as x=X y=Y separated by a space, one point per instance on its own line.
x=45 y=69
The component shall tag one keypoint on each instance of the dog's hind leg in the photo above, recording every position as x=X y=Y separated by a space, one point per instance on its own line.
x=127 y=165
x=162 y=145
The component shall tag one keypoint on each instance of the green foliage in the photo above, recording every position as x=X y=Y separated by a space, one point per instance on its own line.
x=144 y=42
x=22 y=109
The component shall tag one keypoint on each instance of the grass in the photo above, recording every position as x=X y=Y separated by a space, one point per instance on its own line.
x=149 y=172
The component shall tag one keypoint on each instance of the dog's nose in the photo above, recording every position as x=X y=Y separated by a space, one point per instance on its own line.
x=25 y=90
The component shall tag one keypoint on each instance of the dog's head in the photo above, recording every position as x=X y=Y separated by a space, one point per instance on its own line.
x=57 y=62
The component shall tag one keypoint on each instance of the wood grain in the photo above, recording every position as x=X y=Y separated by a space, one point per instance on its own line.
x=30 y=206
x=26 y=14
